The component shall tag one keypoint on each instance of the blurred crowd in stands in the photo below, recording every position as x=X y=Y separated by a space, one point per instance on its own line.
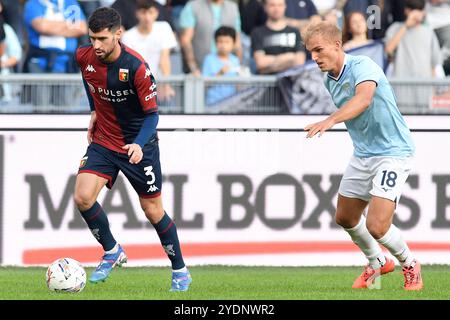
x=228 y=37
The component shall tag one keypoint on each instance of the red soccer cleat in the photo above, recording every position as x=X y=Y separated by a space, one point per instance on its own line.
x=369 y=275
x=389 y=266
x=413 y=277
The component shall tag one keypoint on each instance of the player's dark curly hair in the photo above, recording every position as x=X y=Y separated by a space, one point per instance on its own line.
x=104 y=18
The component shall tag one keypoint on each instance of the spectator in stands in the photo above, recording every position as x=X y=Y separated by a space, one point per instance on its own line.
x=13 y=51
x=12 y=14
x=10 y=58
x=53 y=27
x=333 y=16
x=412 y=45
x=89 y=6
x=438 y=17
x=276 y=46
x=176 y=8
x=252 y=15
x=323 y=6
x=221 y=63
x=299 y=13
x=127 y=10
x=391 y=11
x=359 y=6
x=355 y=31
x=198 y=21
x=2 y=36
x=153 y=40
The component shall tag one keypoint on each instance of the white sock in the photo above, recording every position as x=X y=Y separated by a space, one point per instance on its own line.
x=113 y=250
x=393 y=241
x=184 y=269
x=368 y=245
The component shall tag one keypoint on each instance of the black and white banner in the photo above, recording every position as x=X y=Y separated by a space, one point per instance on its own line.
x=248 y=190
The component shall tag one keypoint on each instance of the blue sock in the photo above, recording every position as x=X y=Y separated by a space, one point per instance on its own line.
x=97 y=222
x=167 y=232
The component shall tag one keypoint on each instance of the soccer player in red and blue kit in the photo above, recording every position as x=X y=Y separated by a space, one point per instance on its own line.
x=122 y=137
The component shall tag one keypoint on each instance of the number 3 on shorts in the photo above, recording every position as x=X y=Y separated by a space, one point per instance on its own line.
x=149 y=172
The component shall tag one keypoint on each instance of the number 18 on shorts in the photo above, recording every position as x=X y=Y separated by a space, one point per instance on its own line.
x=382 y=177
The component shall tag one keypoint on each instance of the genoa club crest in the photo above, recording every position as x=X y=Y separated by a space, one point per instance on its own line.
x=123 y=75
x=83 y=162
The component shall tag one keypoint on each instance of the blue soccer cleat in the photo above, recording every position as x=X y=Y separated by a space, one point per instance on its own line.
x=109 y=261
x=181 y=281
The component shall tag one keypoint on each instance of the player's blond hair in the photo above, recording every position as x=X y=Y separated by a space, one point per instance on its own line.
x=324 y=29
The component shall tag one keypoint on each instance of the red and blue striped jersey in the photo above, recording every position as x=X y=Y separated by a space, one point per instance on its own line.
x=122 y=93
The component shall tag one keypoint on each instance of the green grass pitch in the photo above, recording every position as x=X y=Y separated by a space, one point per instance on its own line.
x=229 y=282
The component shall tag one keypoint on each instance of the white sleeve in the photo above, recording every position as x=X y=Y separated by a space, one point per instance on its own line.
x=436 y=53
x=169 y=40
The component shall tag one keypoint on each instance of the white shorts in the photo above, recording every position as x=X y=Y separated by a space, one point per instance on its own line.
x=375 y=176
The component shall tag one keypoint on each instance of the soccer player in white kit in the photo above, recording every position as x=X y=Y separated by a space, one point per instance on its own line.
x=382 y=158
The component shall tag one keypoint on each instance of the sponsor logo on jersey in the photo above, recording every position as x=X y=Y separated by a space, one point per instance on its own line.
x=148 y=73
x=90 y=68
x=123 y=75
x=116 y=93
x=113 y=95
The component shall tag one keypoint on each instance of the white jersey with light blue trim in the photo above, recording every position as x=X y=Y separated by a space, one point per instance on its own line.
x=380 y=130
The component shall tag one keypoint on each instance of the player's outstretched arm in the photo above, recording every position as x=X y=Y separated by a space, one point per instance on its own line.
x=353 y=108
x=319 y=127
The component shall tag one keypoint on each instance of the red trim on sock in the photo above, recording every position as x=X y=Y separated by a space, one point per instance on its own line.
x=99 y=210
x=167 y=228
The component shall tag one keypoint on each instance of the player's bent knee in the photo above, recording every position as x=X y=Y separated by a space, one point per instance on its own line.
x=83 y=200
x=153 y=209
x=344 y=221
x=377 y=230
x=339 y=220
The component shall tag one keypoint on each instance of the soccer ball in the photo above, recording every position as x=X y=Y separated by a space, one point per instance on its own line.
x=66 y=275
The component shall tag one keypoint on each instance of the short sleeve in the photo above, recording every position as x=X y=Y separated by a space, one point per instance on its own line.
x=71 y=14
x=129 y=37
x=256 y=40
x=312 y=10
x=298 y=42
x=169 y=40
x=187 y=18
x=32 y=10
x=145 y=85
x=235 y=61
x=364 y=69
x=392 y=31
x=208 y=66
x=436 y=57
x=14 y=48
x=238 y=23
